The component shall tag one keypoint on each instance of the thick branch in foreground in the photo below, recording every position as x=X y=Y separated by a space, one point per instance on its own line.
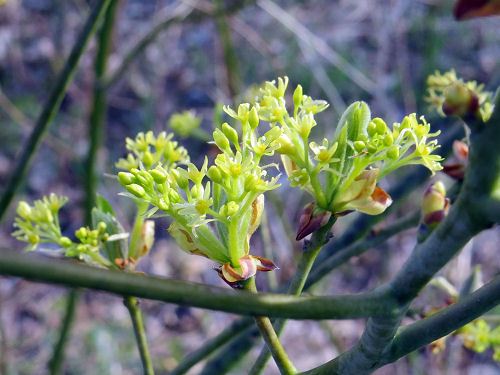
x=185 y=293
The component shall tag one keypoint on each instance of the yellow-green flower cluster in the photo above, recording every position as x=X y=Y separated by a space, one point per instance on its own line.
x=342 y=173
x=185 y=124
x=215 y=209
x=478 y=336
x=39 y=223
x=450 y=95
x=148 y=150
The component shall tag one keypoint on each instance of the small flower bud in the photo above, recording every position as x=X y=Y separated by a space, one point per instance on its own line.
x=181 y=177
x=243 y=111
x=221 y=140
x=273 y=134
x=435 y=204
x=359 y=146
x=372 y=147
x=24 y=210
x=201 y=206
x=33 y=238
x=388 y=139
x=136 y=190
x=163 y=203
x=393 y=152
x=214 y=174
x=65 y=242
x=406 y=123
x=253 y=118
x=230 y=133
x=380 y=125
x=81 y=234
x=372 y=129
x=235 y=169
x=232 y=208
x=286 y=147
x=101 y=227
x=46 y=216
x=158 y=175
x=174 y=196
x=460 y=100
x=297 y=96
x=147 y=159
x=250 y=182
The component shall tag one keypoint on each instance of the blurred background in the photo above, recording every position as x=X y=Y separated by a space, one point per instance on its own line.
x=379 y=51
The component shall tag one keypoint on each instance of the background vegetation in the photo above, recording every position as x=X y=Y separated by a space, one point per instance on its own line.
x=377 y=51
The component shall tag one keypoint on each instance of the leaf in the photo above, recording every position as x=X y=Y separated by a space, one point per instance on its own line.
x=104 y=206
x=111 y=249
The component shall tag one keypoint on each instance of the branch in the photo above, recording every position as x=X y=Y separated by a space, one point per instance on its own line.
x=52 y=105
x=33 y=267
x=445 y=321
x=183 y=13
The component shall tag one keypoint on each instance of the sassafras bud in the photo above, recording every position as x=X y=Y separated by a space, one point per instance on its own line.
x=136 y=190
x=230 y=133
x=253 y=118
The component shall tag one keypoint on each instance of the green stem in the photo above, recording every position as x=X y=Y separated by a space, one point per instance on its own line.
x=311 y=251
x=99 y=106
x=52 y=105
x=35 y=267
x=339 y=250
x=137 y=228
x=270 y=337
x=56 y=362
x=230 y=58
x=183 y=13
x=140 y=334
x=238 y=327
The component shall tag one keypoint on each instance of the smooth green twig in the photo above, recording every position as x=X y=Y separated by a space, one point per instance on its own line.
x=238 y=327
x=270 y=337
x=323 y=49
x=33 y=267
x=140 y=334
x=230 y=58
x=57 y=360
x=52 y=105
x=95 y=135
x=476 y=209
x=99 y=107
x=346 y=250
x=309 y=254
x=183 y=13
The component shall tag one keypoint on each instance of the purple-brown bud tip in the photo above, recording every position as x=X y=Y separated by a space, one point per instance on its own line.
x=310 y=221
x=435 y=205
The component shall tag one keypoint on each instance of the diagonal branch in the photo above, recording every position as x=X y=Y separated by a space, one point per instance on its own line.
x=52 y=105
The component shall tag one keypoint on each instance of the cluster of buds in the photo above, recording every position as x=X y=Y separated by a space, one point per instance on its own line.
x=452 y=96
x=186 y=124
x=478 y=337
x=39 y=223
x=342 y=173
x=215 y=209
x=147 y=150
